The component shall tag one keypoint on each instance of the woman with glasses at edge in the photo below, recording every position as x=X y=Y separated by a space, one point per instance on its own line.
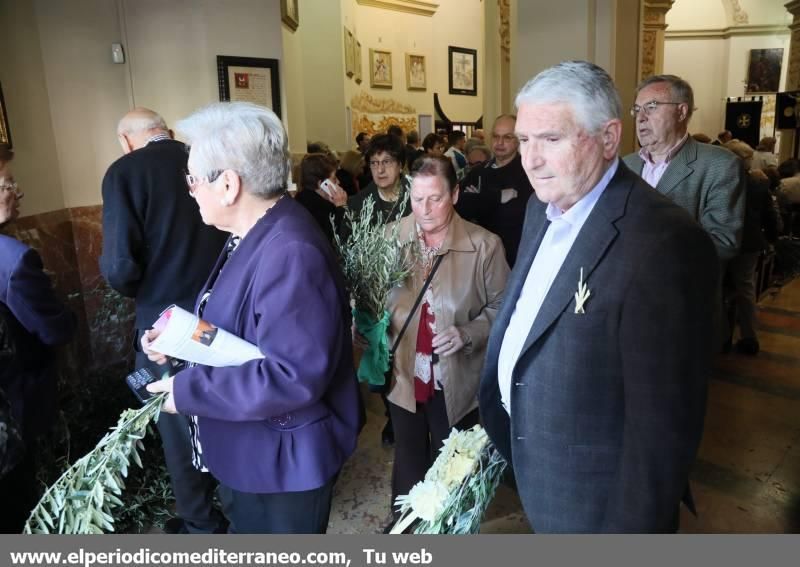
x=274 y=431
x=32 y=321
x=389 y=186
x=389 y=191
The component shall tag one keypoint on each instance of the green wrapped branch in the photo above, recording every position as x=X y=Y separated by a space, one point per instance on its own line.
x=374 y=261
x=82 y=500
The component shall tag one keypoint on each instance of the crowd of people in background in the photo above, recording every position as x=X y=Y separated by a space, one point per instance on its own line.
x=509 y=224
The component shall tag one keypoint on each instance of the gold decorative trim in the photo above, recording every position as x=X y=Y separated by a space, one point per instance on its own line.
x=723 y=33
x=409 y=6
x=504 y=29
x=373 y=105
x=740 y=17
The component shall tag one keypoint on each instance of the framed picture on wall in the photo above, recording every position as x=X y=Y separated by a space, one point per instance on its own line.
x=349 y=53
x=463 y=70
x=380 y=68
x=5 y=134
x=249 y=79
x=290 y=13
x=357 y=50
x=764 y=70
x=415 y=72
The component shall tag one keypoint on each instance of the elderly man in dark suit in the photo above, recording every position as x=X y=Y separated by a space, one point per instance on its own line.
x=157 y=250
x=706 y=180
x=594 y=386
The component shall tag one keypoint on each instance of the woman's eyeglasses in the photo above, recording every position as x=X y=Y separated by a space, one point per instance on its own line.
x=192 y=181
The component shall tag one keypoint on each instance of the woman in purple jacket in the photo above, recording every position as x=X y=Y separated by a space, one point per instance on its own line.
x=32 y=321
x=274 y=431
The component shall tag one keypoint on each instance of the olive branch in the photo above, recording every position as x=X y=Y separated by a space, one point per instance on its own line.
x=81 y=501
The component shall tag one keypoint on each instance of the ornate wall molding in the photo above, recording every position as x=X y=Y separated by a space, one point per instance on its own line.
x=504 y=10
x=374 y=115
x=368 y=103
x=648 y=54
x=653 y=28
x=409 y=6
x=793 y=70
x=723 y=33
x=738 y=16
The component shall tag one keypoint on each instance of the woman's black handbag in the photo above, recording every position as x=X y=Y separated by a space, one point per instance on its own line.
x=385 y=387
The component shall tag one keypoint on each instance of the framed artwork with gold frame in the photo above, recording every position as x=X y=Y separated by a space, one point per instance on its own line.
x=357 y=50
x=349 y=53
x=415 y=72
x=290 y=13
x=380 y=68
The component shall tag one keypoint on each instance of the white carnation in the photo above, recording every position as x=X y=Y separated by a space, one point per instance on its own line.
x=427 y=499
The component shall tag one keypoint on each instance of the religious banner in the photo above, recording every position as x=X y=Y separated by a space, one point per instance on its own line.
x=743 y=119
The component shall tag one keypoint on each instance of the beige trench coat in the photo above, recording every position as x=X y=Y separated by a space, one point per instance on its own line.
x=467 y=292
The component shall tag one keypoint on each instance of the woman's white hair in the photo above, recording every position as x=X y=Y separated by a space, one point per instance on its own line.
x=244 y=137
x=583 y=85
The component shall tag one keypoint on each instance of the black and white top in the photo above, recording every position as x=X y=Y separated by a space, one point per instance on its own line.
x=197 y=449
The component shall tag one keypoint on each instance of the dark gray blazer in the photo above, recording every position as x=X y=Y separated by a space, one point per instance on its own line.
x=608 y=406
x=708 y=181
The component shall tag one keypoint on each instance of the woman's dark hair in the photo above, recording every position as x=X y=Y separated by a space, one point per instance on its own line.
x=313 y=169
x=430 y=141
x=386 y=143
x=435 y=166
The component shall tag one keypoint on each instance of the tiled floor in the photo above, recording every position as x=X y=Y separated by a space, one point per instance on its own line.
x=747 y=477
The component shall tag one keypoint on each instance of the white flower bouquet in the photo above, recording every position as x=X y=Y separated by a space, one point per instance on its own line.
x=457 y=489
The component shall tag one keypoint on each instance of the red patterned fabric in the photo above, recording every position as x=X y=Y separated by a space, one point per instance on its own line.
x=423 y=391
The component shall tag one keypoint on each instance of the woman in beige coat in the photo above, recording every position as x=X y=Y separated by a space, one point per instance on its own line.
x=438 y=362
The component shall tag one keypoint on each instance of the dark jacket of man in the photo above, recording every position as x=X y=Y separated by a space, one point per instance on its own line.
x=607 y=406
x=156 y=248
x=480 y=201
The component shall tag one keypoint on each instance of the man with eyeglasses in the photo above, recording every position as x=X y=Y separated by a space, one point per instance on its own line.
x=494 y=195
x=705 y=180
x=157 y=250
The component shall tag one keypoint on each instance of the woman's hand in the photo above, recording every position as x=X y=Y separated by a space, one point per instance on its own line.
x=337 y=196
x=359 y=341
x=449 y=341
x=147 y=340
x=164 y=385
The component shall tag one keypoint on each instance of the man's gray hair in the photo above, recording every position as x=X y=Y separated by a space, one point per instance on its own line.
x=141 y=120
x=680 y=89
x=244 y=137
x=583 y=85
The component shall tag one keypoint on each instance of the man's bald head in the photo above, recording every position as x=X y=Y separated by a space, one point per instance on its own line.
x=138 y=126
